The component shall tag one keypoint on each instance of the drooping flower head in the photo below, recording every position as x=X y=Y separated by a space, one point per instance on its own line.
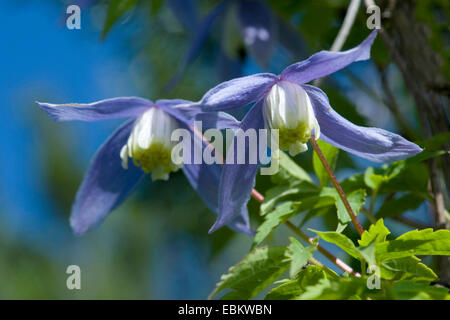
x=141 y=145
x=287 y=108
x=298 y=111
x=150 y=145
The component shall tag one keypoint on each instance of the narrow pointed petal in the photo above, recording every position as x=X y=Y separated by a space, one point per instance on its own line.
x=257 y=29
x=324 y=63
x=238 y=180
x=238 y=92
x=172 y=102
x=101 y=110
x=106 y=184
x=373 y=144
x=205 y=179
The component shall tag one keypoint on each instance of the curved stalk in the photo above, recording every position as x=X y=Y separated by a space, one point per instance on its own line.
x=338 y=187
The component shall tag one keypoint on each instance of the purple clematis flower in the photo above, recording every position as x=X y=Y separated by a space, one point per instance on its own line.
x=298 y=111
x=146 y=140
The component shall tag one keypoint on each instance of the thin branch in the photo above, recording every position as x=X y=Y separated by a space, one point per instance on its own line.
x=344 y=30
x=338 y=187
x=338 y=262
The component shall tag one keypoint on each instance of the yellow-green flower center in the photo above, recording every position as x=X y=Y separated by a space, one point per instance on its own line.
x=290 y=136
x=150 y=145
x=155 y=159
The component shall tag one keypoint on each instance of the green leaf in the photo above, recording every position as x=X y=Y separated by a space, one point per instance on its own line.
x=340 y=289
x=291 y=289
x=368 y=253
x=256 y=271
x=409 y=290
x=278 y=193
x=377 y=233
x=293 y=169
x=396 y=207
x=408 y=268
x=116 y=9
x=374 y=180
x=356 y=200
x=272 y=220
x=423 y=242
x=341 y=241
x=299 y=256
x=331 y=153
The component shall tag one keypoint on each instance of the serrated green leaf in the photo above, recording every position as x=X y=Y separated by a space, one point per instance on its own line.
x=423 y=242
x=331 y=153
x=278 y=193
x=368 y=253
x=377 y=233
x=291 y=289
x=272 y=220
x=293 y=169
x=299 y=256
x=340 y=289
x=409 y=290
x=257 y=270
x=116 y=9
x=395 y=207
x=356 y=200
x=374 y=180
x=409 y=268
x=341 y=241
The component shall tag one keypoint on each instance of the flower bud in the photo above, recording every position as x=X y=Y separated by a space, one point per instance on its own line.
x=150 y=145
x=287 y=108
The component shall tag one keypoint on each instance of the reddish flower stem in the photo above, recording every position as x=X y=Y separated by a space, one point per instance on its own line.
x=338 y=187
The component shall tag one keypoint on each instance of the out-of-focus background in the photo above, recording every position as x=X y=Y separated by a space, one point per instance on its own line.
x=156 y=245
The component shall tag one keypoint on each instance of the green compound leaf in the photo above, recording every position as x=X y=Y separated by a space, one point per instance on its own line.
x=356 y=200
x=278 y=193
x=291 y=289
x=331 y=153
x=374 y=180
x=423 y=242
x=339 y=289
x=299 y=256
x=256 y=271
x=409 y=290
x=272 y=220
x=341 y=241
x=377 y=233
x=409 y=268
